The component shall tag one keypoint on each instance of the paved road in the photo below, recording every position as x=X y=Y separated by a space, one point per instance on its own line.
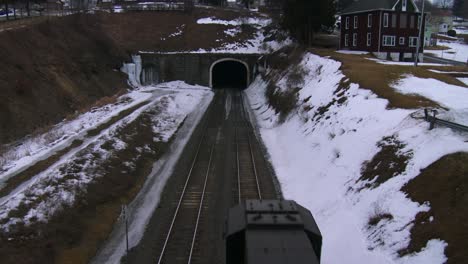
x=223 y=124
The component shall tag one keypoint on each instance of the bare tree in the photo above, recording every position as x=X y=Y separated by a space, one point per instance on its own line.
x=445 y=4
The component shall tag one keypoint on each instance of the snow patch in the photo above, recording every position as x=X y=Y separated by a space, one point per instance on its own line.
x=318 y=152
x=450 y=96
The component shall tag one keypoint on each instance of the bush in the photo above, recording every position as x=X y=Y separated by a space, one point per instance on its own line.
x=283 y=102
x=452 y=33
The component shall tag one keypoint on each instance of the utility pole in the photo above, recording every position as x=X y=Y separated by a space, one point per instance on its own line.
x=418 y=43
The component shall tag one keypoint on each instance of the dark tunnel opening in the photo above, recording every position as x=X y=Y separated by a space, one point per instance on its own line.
x=229 y=74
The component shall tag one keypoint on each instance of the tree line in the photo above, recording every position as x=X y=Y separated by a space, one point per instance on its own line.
x=304 y=18
x=13 y=9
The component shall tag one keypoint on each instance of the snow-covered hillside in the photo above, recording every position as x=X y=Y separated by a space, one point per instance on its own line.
x=167 y=107
x=319 y=152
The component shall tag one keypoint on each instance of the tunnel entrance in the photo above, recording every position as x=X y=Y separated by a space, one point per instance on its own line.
x=229 y=73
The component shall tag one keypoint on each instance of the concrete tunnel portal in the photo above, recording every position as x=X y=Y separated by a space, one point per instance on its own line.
x=229 y=73
x=215 y=70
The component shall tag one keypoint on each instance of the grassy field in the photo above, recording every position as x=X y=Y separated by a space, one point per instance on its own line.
x=378 y=77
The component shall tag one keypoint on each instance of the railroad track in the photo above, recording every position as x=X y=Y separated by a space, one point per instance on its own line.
x=188 y=227
x=248 y=184
x=179 y=243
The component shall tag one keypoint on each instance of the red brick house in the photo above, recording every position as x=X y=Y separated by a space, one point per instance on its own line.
x=387 y=28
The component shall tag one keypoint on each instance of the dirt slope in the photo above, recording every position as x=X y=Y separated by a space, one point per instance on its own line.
x=52 y=69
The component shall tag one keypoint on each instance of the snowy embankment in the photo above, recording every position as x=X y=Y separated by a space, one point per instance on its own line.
x=261 y=42
x=319 y=151
x=28 y=151
x=55 y=188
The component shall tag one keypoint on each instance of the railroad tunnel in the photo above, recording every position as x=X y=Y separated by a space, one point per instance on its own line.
x=229 y=73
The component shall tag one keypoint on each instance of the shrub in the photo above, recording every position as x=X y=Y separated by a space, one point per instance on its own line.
x=282 y=101
x=452 y=33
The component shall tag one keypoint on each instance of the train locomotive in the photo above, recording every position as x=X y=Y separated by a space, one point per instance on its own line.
x=273 y=232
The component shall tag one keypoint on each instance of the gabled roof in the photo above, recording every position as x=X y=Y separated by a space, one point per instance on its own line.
x=367 y=5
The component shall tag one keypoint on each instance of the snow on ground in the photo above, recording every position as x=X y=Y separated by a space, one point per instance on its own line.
x=255 y=45
x=142 y=207
x=22 y=154
x=457 y=52
x=405 y=63
x=318 y=160
x=447 y=95
x=461 y=30
x=236 y=22
x=50 y=190
x=464 y=80
x=448 y=72
x=179 y=31
x=355 y=52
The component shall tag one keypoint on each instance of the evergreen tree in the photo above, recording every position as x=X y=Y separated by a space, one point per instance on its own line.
x=459 y=8
x=303 y=18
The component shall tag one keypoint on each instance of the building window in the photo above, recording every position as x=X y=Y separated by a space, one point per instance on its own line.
x=388 y=40
x=346 y=40
x=412 y=21
x=385 y=20
x=393 y=20
x=369 y=20
x=402 y=41
x=413 y=41
x=403 y=6
x=403 y=21
x=369 y=37
x=355 y=21
x=347 y=22
x=355 y=39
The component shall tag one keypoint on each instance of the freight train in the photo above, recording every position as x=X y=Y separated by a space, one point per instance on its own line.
x=273 y=232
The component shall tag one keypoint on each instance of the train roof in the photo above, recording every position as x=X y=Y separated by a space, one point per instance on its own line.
x=276 y=231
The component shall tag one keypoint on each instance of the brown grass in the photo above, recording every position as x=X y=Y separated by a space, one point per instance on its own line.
x=74 y=234
x=436 y=48
x=42 y=165
x=283 y=102
x=375 y=219
x=378 y=77
x=387 y=163
x=444 y=184
x=35 y=169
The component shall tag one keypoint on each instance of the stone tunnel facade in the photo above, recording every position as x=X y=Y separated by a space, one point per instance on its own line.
x=193 y=68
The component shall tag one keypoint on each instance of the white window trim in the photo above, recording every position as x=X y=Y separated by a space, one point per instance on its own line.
x=392 y=43
x=346 y=40
x=347 y=22
x=369 y=20
x=385 y=20
x=354 y=39
x=401 y=41
x=411 y=42
x=355 y=21
x=404 y=5
x=369 y=39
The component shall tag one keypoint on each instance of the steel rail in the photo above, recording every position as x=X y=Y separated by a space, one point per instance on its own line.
x=180 y=201
x=238 y=166
x=254 y=169
x=250 y=148
x=201 y=206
